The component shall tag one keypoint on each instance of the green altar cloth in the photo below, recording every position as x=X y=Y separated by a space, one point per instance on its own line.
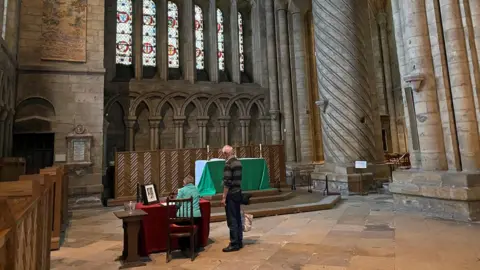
x=254 y=176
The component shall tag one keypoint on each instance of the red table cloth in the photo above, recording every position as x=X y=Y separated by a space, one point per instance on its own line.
x=153 y=233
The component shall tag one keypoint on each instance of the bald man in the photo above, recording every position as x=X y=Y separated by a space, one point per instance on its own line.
x=232 y=198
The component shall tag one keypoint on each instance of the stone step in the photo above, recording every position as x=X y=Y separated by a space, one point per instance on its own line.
x=325 y=203
x=254 y=193
x=263 y=199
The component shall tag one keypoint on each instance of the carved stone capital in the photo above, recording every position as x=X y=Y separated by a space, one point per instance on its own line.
x=382 y=19
x=274 y=115
x=154 y=122
x=224 y=120
x=280 y=5
x=130 y=121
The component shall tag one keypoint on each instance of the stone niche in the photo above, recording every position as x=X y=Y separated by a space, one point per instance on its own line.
x=79 y=145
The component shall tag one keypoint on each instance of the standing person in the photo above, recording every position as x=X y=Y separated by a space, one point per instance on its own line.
x=232 y=198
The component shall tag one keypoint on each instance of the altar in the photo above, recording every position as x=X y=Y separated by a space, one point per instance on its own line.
x=209 y=175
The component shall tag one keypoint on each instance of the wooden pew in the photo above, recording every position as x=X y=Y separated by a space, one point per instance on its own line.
x=11 y=168
x=26 y=222
x=60 y=205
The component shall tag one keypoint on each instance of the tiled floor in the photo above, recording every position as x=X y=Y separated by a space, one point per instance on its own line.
x=361 y=233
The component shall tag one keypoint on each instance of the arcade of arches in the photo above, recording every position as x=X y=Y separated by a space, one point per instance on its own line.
x=333 y=81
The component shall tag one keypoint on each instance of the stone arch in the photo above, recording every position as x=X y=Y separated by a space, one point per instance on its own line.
x=213 y=127
x=142 y=128
x=216 y=99
x=121 y=100
x=115 y=131
x=166 y=131
x=143 y=98
x=257 y=101
x=34 y=114
x=194 y=99
x=170 y=98
x=237 y=100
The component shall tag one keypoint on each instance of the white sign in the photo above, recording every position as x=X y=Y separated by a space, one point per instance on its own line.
x=60 y=157
x=360 y=164
x=78 y=150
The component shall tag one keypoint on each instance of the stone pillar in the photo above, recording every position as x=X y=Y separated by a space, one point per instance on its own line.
x=263 y=125
x=202 y=130
x=3 y=117
x=105 y=146
x=212 y=41
x=9 y=133
x=138 y=38
x=286 y=81
x=347 y=119
x=418 y=62
x=382 y=22
x=233 y=17
x=179 y=121
x=461 y=85
x=272 y=73
x=188 y=41
x=154 y=123
x=245 y=123
x=130 y=132
x=302 y=92
x=224 y=129
x=162 y=39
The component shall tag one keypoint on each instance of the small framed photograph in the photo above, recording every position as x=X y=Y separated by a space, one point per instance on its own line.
x=149 y=194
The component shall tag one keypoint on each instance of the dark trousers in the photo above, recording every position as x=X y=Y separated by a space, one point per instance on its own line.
x=234 y=220
x=184 y=242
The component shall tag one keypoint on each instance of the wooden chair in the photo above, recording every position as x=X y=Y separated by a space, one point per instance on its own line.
x=179 y=231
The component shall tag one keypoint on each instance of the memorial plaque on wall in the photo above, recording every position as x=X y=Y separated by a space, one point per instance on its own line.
x=64 y=30
x=79 y=143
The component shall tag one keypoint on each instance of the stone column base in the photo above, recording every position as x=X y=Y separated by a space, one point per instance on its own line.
x=348 y=180
x=449 y=195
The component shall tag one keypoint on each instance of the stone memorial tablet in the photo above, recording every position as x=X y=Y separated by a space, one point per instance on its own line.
x=78 y=150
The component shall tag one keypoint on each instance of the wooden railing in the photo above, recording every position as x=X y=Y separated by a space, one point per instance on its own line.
x=167 y=168
x=25 y=223
x=11 y=168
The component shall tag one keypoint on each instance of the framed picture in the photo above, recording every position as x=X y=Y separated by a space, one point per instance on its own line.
x=149 y=194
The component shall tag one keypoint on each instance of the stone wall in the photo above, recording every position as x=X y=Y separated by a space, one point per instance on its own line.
x=74 y=90
x=8 y=73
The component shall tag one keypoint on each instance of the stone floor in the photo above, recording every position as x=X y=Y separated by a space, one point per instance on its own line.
x=361 y=233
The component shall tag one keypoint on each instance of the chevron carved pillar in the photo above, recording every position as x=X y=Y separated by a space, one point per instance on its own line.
x=345 y=97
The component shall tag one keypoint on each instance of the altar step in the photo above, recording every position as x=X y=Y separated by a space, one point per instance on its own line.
x=300 y=201
x=258 y=197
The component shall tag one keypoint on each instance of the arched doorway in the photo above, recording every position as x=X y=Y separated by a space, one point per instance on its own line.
x=33 y=137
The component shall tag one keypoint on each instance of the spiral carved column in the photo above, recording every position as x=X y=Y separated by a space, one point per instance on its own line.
x=342 y=68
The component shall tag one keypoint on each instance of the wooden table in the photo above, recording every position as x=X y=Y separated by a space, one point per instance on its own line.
x=131 y=228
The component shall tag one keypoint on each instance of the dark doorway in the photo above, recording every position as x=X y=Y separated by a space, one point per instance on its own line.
x=36 y=148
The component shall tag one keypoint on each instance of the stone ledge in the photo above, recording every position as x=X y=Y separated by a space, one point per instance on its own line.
x=449 y=195
x=457 y=186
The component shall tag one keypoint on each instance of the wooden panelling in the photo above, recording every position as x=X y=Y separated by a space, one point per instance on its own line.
x=167 y=168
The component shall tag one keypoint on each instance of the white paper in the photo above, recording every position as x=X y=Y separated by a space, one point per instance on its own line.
x=360 y=164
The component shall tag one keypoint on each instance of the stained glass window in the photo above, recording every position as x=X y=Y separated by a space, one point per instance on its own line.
x=149 y=33
x=221 y=41
x=199 y=38
x=173 y=36
x=240 y=42
x=124 y=32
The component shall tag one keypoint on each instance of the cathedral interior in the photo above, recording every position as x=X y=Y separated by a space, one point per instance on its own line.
x=391 y=83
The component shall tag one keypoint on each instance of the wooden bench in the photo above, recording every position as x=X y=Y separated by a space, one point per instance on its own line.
x=26 y=222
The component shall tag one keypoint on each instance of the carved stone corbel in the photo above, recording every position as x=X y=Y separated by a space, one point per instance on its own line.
x=414 y=81
x=323 y=104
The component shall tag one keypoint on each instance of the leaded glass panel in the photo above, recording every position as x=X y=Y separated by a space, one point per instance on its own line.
x=173 y=36
x=221 y=41
x=199 y=42
x=124 y=32
x=149 y=33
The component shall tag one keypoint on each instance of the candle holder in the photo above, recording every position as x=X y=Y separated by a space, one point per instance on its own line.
x=260 y=150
